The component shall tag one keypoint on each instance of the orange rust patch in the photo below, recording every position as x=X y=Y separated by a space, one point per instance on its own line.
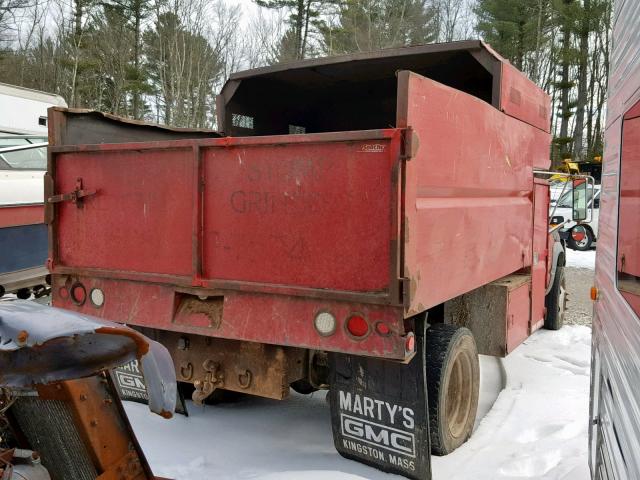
x=22 y=337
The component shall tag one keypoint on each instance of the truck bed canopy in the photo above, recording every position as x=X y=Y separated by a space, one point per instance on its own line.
x=351 y=92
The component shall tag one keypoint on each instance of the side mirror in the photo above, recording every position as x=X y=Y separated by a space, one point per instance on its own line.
x=557 y=220
x=579 y=200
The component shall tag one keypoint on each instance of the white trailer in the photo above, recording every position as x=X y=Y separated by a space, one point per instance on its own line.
x=615 y=374
x=24 y=111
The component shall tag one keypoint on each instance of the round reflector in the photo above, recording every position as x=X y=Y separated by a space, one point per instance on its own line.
x=410 y=345
x=357 y=326
x=325 y=323
x=97 y=297
x=78 y=293
x=383 y=329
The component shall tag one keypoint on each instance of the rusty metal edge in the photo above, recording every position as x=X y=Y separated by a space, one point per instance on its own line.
x=402 y=108
x=463 y=45
x=218 y=287
x=129 y=121
x=309 y=138
x=197 y=235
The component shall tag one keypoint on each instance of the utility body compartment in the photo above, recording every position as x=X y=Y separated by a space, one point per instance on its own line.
x=260 y=233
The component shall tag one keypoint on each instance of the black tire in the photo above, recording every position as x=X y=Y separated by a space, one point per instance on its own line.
x=453 y=385
x=23 y=294
x=584 y=245
x=555 y=301
x=303 y=387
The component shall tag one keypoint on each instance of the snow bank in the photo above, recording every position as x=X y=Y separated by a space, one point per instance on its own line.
x=579 y=259
x=537 y=428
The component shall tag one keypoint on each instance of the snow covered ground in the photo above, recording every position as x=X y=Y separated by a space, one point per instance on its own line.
x=579 y=259
x=579 y=279
x=538 y=426
x=536 y=429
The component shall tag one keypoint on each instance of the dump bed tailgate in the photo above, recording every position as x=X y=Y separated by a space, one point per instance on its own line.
x=310 y=212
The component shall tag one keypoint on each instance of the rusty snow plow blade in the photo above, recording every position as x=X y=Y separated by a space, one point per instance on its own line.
x=61 y=415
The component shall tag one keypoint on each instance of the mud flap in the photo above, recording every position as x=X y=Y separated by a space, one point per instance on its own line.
x=379 y=412
x=130 y=385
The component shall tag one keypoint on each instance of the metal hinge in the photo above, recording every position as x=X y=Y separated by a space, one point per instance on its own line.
x=76 y=197
x=410 y=143
x=405 y=290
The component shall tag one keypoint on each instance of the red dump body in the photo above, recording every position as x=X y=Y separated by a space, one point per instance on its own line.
x=250 y=236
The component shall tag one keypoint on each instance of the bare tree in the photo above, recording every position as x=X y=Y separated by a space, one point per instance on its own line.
x=259 y=41
x=584 y=31
x=449 y=12
x=10 y=13
x=187 y=55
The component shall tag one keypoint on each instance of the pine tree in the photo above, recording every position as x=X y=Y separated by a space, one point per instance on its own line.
x=512 y=27
x=304 y=17
x=133 y=13
x=567 y=16
x=365 y=25
x=184 y=69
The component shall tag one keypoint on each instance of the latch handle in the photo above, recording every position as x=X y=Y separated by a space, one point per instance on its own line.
x=74 y=197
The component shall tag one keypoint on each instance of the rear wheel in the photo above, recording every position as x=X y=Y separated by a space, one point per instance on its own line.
x=23 y=293
x=556 y=301
x=303 y=387
x=453 y=384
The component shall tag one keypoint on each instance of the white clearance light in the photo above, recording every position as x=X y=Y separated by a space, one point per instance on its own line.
x=97 y=297
x=325 y=323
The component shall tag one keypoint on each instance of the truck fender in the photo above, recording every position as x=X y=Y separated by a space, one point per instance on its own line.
x=558 y=259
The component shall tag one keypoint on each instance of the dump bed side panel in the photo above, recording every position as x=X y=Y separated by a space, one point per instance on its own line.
x=520 y=98
x=468 y=216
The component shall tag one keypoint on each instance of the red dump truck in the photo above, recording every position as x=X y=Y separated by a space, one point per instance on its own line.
x=365 y=223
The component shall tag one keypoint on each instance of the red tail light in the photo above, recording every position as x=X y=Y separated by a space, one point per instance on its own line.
x=357 y=326
x=383 y=329
x=78 y=293
x=578 y=234
x=63 y=292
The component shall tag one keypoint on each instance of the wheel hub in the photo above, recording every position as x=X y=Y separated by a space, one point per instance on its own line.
x=459 y=398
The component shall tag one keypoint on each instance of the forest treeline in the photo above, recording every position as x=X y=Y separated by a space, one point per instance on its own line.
x=164 y=60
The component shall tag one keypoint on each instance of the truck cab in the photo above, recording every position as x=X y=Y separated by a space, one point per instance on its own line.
x=581 y=235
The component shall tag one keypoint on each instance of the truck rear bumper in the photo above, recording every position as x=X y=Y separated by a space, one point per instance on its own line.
x=255 y=317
